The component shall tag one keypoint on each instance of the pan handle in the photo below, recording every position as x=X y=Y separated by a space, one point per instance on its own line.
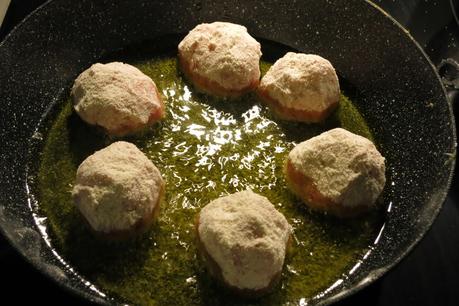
x=448 y=69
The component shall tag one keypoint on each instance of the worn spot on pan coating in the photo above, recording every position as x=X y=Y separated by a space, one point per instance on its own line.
x=30 y=242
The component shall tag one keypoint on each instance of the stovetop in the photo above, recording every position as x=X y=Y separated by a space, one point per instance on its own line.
x=429 y=275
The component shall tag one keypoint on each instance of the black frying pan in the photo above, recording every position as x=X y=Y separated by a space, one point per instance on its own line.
x=399 y=94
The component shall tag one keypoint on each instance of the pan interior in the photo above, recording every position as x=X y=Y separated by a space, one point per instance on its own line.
x=204 y=148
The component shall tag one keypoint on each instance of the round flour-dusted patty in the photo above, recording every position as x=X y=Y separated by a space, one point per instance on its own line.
x=300 y=87
x=118 y=97
x=336 y=172
x=243 y=239
x=221 y=59
x=118 y=190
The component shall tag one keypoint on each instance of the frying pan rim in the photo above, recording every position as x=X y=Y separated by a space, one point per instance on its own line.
x=82 y=295
x=375 y=275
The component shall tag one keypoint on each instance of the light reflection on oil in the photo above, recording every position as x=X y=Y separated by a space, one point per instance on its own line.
x=220 y=142
x=204 y=149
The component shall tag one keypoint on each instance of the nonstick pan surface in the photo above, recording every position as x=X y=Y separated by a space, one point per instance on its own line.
x=399 y=94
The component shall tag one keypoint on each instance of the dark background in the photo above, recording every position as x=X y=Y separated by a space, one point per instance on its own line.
x=427 y=276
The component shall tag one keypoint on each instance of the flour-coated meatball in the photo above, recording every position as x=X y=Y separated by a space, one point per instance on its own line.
x=337 y=172
x=301 y=87
x=117 y=97
x=221 y=59
x=118 y=190
x=244 y=239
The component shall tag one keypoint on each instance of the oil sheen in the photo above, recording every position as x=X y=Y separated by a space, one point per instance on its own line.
x=205 y=148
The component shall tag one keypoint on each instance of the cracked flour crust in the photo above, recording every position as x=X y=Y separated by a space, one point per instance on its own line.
x=117 y=97
x=246 y=236
x=117 y=187
x=221 y=54
x=346 y=168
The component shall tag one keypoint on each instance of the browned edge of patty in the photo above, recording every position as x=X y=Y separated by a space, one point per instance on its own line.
x=292 y=114
x=210 y=87
x=305 y=188
x=216 y=272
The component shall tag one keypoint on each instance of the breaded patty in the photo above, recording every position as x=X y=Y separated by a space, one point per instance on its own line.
x=244 y=240
x=336 y=172
x=221 y=59
x=300 y=87
x=118 y=190
x=117 y=97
